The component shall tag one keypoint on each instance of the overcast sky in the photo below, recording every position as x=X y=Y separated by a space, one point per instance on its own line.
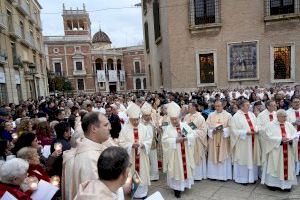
x=123 y=26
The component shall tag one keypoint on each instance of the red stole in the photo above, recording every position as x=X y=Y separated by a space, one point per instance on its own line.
x=137 y=156
x=297 y=114
x=251 y=128
x=271 y=117
x=183 y=154
x=285 y=153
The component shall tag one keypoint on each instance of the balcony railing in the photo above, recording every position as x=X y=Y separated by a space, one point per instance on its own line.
x=3 y=21
x=3 y=57
x=79 y=72
x=24 y=7
x=15 y=30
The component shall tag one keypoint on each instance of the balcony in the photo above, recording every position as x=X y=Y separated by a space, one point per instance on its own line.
x=3 y=21
x=140 y=73
x=24 y=7
x=3 y=57
x=15 y=30
x=79 y=73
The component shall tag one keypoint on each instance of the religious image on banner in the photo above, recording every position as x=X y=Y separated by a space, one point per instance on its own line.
x=207 y=69
x=113 y=77
x=282 y=62
x=122 y=76
x=101 y=76
x=242 y=61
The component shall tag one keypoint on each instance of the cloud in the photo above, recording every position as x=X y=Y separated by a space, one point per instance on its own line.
x=122 y=24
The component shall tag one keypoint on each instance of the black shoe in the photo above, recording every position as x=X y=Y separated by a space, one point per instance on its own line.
x=244 y=184
x=177 y=194
x=272 y=188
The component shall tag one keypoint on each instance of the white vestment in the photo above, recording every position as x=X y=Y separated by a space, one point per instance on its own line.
x=291 y=113
x=200 y=150
x=275 y=159
x=220 y=170
x=175 y=169
x=126 y=140
x=246 y=153
x=154 y=173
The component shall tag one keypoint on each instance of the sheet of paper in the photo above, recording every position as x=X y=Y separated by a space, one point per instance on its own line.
x=45 y=191
x=8 y=196
x=155 y=196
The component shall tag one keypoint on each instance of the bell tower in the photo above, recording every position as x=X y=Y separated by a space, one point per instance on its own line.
x=76 y=21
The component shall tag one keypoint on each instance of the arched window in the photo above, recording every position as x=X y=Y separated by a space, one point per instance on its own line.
x=110 y=64
x=138 y=84
x=99 y=64
x=119 y=64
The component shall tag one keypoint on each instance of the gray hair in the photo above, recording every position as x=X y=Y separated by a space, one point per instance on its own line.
x=281 y=112
x=26 y=153
x=12 y=169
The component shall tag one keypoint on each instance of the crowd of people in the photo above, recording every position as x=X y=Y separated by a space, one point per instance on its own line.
x=96 y=146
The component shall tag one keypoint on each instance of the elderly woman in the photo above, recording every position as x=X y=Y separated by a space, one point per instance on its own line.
x=35 y=168
x=279 y=159
x=12 y=176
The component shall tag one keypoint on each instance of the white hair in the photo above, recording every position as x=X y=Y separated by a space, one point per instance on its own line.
x=281 y=112
x=12 y=169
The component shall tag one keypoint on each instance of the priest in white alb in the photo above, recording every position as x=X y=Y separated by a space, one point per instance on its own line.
x=147 y=121
x=137 y=139
x=263 y=119
x=294 y=117
x=245 y=145
x=179 y=140
x=280 y=141
x=197 y=122
x=219 y=159
x=266 y=116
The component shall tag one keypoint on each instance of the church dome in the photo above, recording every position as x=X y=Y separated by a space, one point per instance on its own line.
x=101 y=37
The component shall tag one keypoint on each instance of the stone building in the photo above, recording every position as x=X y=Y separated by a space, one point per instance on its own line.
x=191 y=44
x=23 y=72
x=90 y=62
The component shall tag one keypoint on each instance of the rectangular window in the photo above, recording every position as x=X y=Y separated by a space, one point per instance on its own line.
x=150 y=75
x=22 y=29
x=156 y=18
x=3 y=93
x=57 y=67
x=137 y=67
x=80 y=84
x=78 y=65
x=145 y=7
x=204 y=11
x=282 y=62
x=278 y=7
x=161 y=74
x=146 y=37
x=19 y=92
x=207 y=68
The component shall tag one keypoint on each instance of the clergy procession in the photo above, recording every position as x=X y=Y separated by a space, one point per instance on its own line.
x=115 y=146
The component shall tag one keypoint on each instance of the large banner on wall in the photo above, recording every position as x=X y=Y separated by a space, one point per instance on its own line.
x=101 y=76
x=112 y=76
x=242 y=61
x=122 y=76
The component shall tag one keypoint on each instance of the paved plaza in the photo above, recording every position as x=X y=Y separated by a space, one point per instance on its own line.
x=217 y=190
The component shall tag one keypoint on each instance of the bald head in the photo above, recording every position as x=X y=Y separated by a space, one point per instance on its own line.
x=218 y=106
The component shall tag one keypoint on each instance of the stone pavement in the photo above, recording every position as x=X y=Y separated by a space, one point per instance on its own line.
x=217 y=190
